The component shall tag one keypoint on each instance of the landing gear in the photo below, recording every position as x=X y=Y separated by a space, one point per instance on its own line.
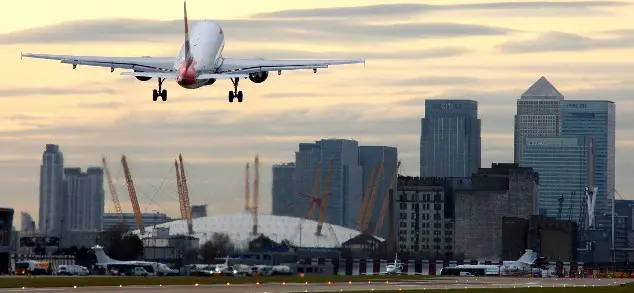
x=235 y=93
x=159 y=93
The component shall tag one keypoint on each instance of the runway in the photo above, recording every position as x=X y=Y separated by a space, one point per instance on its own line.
x=449 y=283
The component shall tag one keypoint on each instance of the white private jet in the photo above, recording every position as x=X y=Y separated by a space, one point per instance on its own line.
x=395 y=268
x=199 y=62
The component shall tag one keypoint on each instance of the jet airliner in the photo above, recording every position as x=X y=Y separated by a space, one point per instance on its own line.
x=199 y=62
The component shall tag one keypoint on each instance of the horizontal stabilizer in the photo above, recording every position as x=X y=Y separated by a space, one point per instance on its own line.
x=166 y=75
x=222 y=75
x=174 y=75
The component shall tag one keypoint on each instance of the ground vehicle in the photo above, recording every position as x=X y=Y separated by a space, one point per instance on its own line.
x=139 y=271
x=69 y=270
x=33 y=267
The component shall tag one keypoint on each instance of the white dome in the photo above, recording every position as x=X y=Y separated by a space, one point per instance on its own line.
x=239 y=226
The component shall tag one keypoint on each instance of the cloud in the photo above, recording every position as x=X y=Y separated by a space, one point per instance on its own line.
x=432 y=53
x=410 y=9
x=252 y=30
x=101 y=105
x=51 y=91
x=438 y=80
x=560 y=41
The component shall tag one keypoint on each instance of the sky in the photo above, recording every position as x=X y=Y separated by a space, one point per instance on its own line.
x=487 y=51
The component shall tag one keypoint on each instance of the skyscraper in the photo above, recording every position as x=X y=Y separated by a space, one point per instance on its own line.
x=371 y=158
x=597 y=120
x=563 y=164
x=450 y=139
x=51 y=198
x=283 y=190
x=84 y=199
x=346 y=180
x=537 y=115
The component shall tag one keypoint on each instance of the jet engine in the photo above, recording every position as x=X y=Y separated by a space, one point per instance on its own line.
x=259 y=77
x=142 y=78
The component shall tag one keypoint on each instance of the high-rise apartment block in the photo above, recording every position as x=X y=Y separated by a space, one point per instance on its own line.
x=51 y=198
x=450 y=143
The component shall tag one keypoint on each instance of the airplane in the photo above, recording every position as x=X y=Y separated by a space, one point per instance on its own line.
x=395 y=268
x=199 y=63
x=529 y=262
x=103 y=260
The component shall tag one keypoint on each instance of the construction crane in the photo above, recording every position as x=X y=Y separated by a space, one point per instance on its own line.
x=314 y=200
x=256 y=195
x=113 y=191
x=179 y=184
x=370 y=208
x=132 y=193
x=185 y=197
x=386 y=200
x=324 y=199
x=247 y=192
x=366 y=199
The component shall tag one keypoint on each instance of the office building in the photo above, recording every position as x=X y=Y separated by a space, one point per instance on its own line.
x=564 y=169
x=51 y=196
x=113 y=220
x=27 y=223
x=504 y=190
x=371 y=158
x=283 y=190
x=450 y=142
x=597 y=120
x=345 y=190
x=6 y=233
x=538 y=114
x=83 y=199
x=199 y=211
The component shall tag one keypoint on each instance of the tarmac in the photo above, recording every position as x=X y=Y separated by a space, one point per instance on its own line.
x=445 y=283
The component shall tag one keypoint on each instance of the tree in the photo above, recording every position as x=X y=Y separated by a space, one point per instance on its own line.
x=219 y=245
x=119 y=246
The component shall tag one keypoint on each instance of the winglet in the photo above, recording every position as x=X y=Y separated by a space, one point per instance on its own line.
x=364 y=63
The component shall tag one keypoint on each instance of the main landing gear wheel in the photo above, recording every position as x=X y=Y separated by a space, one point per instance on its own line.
x=235 y=94
x=160 y=92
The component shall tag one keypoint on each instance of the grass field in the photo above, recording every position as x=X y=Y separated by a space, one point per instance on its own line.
x=58 y=281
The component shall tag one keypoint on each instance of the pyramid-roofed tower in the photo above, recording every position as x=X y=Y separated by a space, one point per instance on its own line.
x=542 y=89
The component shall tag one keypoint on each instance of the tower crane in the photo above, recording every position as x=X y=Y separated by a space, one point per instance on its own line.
x=113 y=191
x=372 y=200
x=132 y=193
x=364 y=202
x=179 y=185
x=386 y=200
x=185 y=197
x=324 y=198
x=314 y=200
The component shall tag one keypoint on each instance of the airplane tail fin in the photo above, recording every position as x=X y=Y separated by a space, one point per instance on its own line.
x=529 y=257
x=101 y=255
x=187 y=44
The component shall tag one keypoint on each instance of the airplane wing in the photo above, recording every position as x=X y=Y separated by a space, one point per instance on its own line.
x=147 y=64
x=234 y=65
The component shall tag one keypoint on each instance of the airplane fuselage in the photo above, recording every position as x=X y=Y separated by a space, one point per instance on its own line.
x=207 y=40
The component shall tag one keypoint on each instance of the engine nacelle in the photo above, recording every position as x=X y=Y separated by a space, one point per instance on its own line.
x=210 y=81
x=259 y=77
x=142 y=78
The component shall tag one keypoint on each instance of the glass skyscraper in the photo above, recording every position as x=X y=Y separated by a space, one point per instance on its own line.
x=450 y=139
x=563 y=166
x=595 y=119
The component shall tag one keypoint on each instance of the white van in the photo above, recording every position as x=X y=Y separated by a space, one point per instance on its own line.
x=72 y=270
